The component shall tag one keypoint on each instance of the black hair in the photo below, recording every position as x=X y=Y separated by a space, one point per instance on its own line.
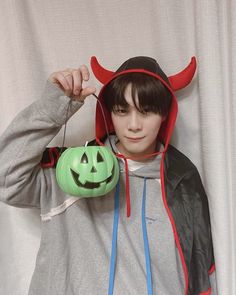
x=152 y=94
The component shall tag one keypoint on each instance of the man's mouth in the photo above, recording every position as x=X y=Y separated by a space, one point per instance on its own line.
x=134 y=138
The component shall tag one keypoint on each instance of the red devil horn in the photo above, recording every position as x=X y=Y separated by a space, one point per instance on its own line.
x=183 y=78
x=100 y=73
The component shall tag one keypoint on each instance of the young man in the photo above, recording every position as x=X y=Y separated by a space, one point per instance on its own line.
x=150 y=235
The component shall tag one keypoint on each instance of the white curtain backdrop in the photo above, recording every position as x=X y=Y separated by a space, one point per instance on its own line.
x=38 y=37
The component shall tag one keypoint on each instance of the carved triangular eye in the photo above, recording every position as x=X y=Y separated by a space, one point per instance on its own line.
x=84 y=159
x=99 y=157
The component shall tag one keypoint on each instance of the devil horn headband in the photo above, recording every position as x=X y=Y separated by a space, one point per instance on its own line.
x=177 y=81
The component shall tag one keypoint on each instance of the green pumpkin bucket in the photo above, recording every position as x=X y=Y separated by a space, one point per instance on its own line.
x=89 y=171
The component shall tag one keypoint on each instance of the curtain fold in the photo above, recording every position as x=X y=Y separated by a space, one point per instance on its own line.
x=40 y=37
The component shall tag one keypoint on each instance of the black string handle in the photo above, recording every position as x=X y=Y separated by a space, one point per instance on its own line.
x=104 y=118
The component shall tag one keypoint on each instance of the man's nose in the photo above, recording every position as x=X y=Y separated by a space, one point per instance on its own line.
x=134 y=122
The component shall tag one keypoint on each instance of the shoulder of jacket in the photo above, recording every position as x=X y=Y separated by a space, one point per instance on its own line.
x=178 y=163
x=50 y=157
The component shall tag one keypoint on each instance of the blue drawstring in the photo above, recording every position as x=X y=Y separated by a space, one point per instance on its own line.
x=114 y=240
x=145 y=240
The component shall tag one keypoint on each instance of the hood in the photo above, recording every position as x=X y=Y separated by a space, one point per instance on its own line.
x=147 y=65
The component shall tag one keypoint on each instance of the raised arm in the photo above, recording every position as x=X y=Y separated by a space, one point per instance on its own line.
x=22 y=181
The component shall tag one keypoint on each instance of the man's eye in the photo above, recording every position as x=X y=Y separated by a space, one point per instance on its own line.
x=120 y=111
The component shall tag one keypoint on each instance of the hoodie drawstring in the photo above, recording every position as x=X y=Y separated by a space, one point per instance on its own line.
x=127 y=190
x=114 y=242
x=145 y=241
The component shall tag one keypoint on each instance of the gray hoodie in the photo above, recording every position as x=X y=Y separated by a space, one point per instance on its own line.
x=77 y=233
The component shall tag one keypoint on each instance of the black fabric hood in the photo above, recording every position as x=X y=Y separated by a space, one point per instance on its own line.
x=149 y=66
x=143 y=62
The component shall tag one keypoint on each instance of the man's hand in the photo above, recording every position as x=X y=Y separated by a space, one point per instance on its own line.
x=70 y=81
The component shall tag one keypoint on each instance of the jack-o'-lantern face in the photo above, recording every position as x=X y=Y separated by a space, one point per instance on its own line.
x=87 y=171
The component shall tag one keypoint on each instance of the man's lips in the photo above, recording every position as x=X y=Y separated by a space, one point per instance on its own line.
x=134 y=138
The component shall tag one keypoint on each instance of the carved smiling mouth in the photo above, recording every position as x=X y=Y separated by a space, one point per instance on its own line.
x=88 y=184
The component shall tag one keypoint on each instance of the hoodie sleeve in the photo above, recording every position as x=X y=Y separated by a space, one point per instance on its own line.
x=22 y=180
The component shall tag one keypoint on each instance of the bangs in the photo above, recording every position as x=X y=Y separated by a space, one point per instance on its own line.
x=152 y=95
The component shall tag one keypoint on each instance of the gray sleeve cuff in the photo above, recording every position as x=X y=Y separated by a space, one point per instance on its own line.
x=56 y=105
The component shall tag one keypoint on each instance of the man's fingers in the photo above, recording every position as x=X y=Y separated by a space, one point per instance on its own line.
x=77 y=84
x=86 y=92
x=59 y=79
x=71 y=80
x=84 y=72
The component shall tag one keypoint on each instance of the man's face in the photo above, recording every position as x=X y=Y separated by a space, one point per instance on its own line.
x=136 y=131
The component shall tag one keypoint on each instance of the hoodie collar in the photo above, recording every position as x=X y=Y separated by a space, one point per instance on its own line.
x=148 y=169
